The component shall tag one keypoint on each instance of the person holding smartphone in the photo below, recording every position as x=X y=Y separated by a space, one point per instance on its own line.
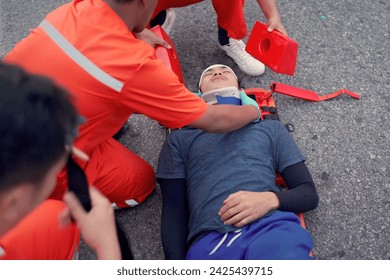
x=38 y=124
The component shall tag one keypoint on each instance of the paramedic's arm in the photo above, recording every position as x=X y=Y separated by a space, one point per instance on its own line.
x=243 y=207
x=97 y=226
x=156 y=92
x=271 y=13
x=226 y=118
x=174 y=221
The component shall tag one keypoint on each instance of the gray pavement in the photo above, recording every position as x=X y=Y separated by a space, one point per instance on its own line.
x=342 y=43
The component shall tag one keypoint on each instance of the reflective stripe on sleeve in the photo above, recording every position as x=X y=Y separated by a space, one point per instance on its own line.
x=2 y=252
x=79 y=58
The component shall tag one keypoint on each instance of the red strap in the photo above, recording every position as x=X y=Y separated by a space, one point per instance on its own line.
x=261 y=94
x=307 y=94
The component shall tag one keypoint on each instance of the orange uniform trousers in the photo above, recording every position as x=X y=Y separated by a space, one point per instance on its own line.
x=230 y=14
x=39 y=237
x=122 y=176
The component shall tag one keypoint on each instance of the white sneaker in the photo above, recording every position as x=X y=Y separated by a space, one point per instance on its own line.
x=169 y=20
x=247 y=63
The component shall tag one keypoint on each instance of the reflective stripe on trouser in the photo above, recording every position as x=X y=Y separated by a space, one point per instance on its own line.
x=124 y=177
x=229 y=16
x=276 y=237
x=39 y=236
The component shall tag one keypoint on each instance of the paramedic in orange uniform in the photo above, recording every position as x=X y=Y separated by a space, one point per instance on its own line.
x=90 y=48
x=232 y=27
x=38 y=126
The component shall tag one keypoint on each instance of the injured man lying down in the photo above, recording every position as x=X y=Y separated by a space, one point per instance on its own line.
x=220 y=199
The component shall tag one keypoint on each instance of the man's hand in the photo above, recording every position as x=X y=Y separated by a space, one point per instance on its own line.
x=97 y=226
x=276 y=23
x=270 y=11
x=152 y=39
x=243 y=207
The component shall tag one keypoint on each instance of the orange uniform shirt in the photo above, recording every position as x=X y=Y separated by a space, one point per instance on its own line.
x=86 y=48
x=39 y=236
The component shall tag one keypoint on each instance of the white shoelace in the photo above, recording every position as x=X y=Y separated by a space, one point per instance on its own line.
x=238 y=234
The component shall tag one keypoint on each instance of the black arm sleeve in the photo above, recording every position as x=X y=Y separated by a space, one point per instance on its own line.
x=174 y=221
x=301 y=194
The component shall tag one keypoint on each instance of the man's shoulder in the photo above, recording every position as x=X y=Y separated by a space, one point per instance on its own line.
x=269 y=124
x=184 y=131
x=272 y=128
x=183 y=134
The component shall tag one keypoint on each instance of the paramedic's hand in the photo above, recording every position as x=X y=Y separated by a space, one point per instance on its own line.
x=243 y=207
x=97 y=226
x=152 y=39
x=246 y=100
x=276 y=23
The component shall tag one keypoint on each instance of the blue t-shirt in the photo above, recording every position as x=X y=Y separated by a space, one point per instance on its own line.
x=217 y=165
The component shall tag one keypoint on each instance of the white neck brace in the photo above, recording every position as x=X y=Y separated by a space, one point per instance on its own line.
x=210 y=96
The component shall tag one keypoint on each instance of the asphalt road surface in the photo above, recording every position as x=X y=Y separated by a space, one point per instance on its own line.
x=342 y=43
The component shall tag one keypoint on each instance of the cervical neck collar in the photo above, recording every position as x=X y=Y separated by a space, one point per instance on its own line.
x=213 y=96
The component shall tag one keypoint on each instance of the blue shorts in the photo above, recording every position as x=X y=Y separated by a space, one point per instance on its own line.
x=278 y=236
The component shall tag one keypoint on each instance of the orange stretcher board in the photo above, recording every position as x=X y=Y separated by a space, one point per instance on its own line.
x=168 y=56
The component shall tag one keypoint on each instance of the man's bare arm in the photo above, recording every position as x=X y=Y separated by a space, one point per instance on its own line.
x=271 y=13
x=226 y=118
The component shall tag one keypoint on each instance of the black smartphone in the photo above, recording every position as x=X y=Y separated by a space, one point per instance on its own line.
x=77 y=183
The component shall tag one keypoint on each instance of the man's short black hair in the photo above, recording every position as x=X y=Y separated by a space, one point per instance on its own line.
x=37 y=121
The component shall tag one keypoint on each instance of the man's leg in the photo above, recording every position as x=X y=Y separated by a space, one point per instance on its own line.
x=279 y=237
x=39 y=236
x=167 y=4
x=231 y=29
x=216 y=246
x=276 y=237
x=231 y=18
x=125 y=178
x=165 y=16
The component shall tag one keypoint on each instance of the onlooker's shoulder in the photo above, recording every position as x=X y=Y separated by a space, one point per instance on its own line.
x=271 y=124
x=183 y=132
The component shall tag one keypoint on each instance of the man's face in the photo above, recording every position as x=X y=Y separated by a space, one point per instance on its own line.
x=26 y=197
x=218 y=77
